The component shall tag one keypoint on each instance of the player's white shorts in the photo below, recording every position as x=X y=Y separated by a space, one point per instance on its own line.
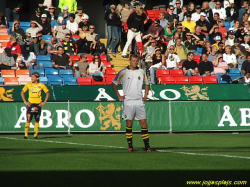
x=134 y=110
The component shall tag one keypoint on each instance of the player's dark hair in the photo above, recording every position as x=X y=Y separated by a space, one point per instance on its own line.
x=133 y=56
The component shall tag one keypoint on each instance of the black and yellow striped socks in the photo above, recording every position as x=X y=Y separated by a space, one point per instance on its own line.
x=129 y=136
x=145 y=137
x=27 y=129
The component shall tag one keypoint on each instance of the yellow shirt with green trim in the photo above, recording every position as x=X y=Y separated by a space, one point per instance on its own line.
x=132 y=82
x=35 y=92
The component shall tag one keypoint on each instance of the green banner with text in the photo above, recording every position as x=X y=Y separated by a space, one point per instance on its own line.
x=172 y=116
x=220 y=92
x=83 y=116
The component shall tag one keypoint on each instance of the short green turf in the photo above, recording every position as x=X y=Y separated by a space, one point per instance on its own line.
x=108 y=152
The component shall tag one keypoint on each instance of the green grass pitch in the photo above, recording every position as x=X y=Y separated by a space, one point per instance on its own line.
x=103 y=160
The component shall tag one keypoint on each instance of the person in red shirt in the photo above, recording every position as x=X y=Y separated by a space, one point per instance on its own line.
x=222 y=29
x=14 y=47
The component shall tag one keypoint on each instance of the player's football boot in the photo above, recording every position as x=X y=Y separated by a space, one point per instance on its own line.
x=131 y=149
x=35 y=137
x=25 y=137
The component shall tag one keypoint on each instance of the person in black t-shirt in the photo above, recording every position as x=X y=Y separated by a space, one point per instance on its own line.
x=61 y=60
x=206 y=67
x=190 y=67
x=37 y=17
x=246 y=65
x=83 y=45
x=83 y=26
x=46 y=26
x=203 y=23
x=201 y=36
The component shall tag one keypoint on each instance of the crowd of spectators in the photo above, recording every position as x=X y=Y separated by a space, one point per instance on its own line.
x=170 y=41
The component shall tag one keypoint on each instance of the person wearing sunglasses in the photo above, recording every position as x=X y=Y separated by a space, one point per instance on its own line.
x=90 y=36
x=221 y=11
x=177 y=9
x=170 y=15
x=157 y=29
x=97 y=68
x=189 y=24
x=172 y=59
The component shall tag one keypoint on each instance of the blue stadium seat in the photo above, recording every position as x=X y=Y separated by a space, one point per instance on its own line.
x=207 y=37
x=47 y=37
x=40 y=71
x=221 y=81
x=233 y=72
x=227 y=24
x=46 y=64
x=199 y=50
x=51 y=72
x=228 y=27
x=69 y=81
x=1 y=81
x=64 y=72
x=43 y=80
x=43 y=58
x=24 y=24
x=55 y=80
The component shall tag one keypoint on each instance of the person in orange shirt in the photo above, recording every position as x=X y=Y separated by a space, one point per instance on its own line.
x=222 y=29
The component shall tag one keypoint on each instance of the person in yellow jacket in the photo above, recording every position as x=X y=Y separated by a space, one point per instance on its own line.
x=71 y=4
x=34 y=103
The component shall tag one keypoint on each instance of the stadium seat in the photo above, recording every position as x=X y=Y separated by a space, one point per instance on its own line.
x=75 y=58
x=69 y=81
x=103 y=82
x=8 y=73
x=162 y=72
x=150 y=12
x=112 y=71
x=210 y=80
x=220 y=81
x=108 y=65
x=234 y=72
x=195 y=80
x=24 y=24
x=182 y=80
x=227 y=24
x=1 y=81
x=51 y=72
x=199 y=50
x=43 y=80
x=22 y=73
x=76 y=37
x=63 y=72
x=140 y=47
x=90 y=58
x=10 y=81
x=125 y=27
x=43 y=58
x=176 y=72
x=46 y=64
x=55 y=80
x=4 y=38
x=103 y=58
x=109 y=78
x=84 y=80
x=24 y=80
x=166 y=80
x=47 y=37
x=40 y=71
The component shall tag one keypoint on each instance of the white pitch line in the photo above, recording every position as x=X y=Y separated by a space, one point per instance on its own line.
x=109 y=146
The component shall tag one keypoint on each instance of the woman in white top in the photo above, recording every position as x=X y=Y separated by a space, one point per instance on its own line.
x=246 y=43
x=28 y=61
x=229 y=57
x=97 y=68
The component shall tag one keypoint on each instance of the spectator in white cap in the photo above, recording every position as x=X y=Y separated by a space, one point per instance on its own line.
x=55 y=23
x=71 y=4
x=72 y=25
x=65 y=13
x=46 y=26
x=51 y=16
x=83 y=26
x=203 y=23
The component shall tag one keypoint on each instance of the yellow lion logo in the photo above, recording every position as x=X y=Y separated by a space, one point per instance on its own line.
x=107 y=115
x=5 y=95
x=195 y=92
